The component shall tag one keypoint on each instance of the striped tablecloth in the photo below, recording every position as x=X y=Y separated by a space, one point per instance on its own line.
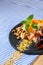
x=11 y=13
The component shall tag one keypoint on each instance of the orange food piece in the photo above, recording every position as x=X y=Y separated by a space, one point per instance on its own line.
x=35 y=21
x=31 y=29
x=41 y=21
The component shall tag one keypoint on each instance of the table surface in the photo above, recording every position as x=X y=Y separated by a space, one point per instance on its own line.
x=11 y=13
x=37 y=60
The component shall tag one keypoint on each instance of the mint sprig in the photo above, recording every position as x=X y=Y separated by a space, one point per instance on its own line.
x=35 y=26
x=30 y=17
x=23 y=21
x=27 y=21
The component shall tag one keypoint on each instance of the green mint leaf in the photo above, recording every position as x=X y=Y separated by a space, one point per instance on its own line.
x=35 y=26
x=27 y=27
x=30 y=17
x=28 y=22
x=23 y=22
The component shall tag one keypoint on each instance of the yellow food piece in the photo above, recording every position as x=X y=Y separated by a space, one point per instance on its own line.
x=22 y=46
x=41 y=22
x=25 y=41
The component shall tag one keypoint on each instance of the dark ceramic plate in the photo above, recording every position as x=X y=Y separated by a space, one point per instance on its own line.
x=14 y=42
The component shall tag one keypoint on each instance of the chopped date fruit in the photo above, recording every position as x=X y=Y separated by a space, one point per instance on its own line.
x=40 y=42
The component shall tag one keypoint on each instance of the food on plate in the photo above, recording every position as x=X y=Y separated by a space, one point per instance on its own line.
x=31 y=30
x=23 y=45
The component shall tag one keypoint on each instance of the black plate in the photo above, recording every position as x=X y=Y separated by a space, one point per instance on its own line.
x=14 y=42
